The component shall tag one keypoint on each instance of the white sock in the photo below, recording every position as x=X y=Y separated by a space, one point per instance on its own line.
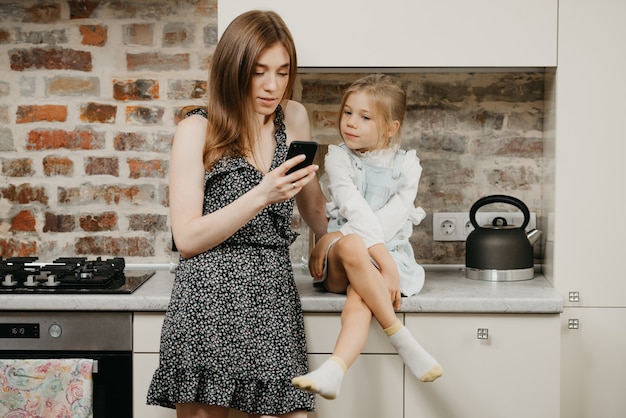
x=421 y=364
x=326 y=380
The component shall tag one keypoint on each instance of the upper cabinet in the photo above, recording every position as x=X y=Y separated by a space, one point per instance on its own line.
x=414 y=33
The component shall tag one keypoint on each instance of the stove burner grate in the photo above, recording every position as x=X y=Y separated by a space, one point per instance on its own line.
x=65 y=275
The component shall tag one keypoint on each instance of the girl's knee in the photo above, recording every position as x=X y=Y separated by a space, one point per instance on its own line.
x=351 y=246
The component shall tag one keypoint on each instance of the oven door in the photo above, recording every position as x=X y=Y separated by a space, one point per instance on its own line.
x=105 y=337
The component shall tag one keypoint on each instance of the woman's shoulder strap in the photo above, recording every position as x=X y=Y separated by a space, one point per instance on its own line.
x=197 y=111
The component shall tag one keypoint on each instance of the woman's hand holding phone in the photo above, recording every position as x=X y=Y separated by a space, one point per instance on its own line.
x=299 y=160
x=308 y=148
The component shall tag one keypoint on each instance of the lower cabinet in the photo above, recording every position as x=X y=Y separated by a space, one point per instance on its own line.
x=593 y=370
x=146 y=336
x=144 y=364
x=495 y=366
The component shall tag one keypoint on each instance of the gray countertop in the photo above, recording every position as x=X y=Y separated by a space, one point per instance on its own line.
x=446 y=290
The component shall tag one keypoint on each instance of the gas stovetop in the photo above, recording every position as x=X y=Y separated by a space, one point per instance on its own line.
x=69 y=275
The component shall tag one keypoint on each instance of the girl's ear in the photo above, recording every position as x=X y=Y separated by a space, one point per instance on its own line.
x=392 y=128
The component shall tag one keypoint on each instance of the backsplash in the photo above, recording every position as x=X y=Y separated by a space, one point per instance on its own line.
x=476 y=133
x=91 y=92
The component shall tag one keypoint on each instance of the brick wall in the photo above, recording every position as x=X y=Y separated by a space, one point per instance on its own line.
x=89 y=97
x=91 y=91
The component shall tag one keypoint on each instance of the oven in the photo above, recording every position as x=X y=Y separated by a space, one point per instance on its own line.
x=104 y=337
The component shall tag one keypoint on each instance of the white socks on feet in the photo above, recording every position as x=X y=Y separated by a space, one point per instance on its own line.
x=326 y=380
x=422 y=364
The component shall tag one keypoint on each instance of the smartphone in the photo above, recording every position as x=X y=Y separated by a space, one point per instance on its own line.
x=308 y=148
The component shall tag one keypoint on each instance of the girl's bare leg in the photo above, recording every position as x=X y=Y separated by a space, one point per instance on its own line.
x=349 y=263
x=355 y=320
x=350 y=270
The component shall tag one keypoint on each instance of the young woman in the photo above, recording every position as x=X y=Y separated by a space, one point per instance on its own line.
x=233 y=335
x=366 y=252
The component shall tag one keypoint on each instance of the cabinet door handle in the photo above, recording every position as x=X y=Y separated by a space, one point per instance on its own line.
x=482 y=334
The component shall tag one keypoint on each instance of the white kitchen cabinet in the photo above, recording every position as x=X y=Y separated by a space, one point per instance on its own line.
x=416 y=33
x=146 y=335
x=144 y=364
x=589 y=206
x=589 y=183
x=373 y=386
x=512 y=373
x=593 y=370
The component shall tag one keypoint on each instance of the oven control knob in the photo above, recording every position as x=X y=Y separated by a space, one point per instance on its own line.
x=55 y=330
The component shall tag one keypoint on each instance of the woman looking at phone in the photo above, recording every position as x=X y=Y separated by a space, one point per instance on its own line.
x=233 y=335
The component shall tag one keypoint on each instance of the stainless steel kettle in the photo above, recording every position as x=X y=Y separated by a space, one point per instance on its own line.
x=500 y=252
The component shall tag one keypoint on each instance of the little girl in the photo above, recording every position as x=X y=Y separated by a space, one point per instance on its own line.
x=366 y=253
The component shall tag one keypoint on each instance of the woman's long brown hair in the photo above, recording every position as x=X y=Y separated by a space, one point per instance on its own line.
x=232 y=123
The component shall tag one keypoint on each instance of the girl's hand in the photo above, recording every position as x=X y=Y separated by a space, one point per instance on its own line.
x=392 y=279
x=389 y=271
x=279 y=187
x=318 y=254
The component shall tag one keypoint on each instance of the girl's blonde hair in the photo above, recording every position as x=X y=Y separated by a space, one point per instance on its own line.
x=232 y=122
x=387 y=97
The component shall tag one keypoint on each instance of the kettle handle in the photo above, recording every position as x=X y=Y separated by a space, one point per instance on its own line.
x=499 y=198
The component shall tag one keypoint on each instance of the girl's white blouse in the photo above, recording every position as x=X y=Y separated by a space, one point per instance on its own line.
x=374 y=227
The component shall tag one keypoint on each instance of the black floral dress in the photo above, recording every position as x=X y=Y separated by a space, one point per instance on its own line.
x=233 y=333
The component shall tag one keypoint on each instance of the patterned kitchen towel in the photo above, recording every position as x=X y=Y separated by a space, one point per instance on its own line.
x=46 y=388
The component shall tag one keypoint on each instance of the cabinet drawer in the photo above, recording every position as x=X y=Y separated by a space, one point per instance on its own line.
x=494 y=366
x=322 y=331
x=147 y=332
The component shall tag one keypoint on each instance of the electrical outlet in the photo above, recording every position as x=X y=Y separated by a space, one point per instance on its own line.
x=467 y=227
x=456 y=226
x=447 y=226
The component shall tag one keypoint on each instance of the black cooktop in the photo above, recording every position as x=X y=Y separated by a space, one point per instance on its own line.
x=65 y=275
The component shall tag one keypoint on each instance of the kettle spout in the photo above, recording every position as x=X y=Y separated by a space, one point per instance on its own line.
x=533 y=236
